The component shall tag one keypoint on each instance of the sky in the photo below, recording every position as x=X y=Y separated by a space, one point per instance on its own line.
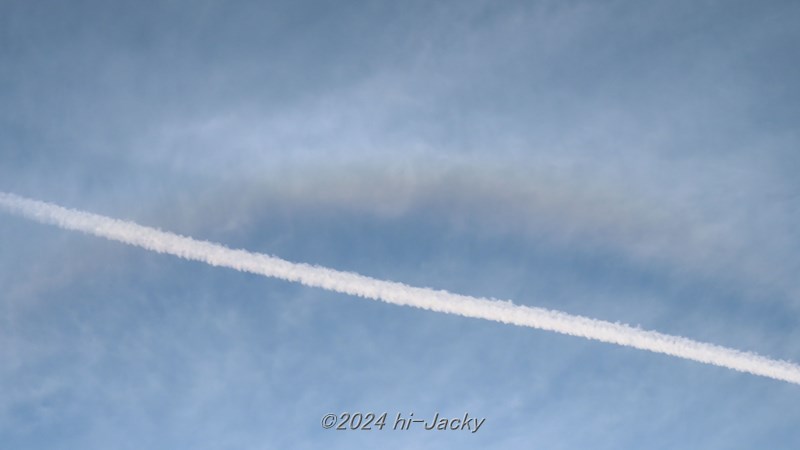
x=626 y=161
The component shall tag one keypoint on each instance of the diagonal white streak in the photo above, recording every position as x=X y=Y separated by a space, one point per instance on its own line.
x=397 y=293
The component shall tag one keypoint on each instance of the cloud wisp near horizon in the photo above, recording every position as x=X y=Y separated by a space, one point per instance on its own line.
x=397 y=293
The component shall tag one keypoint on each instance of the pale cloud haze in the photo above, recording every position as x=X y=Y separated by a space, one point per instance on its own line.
x=621 y=160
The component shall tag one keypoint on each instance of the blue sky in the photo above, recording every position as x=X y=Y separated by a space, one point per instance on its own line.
x=630 y=161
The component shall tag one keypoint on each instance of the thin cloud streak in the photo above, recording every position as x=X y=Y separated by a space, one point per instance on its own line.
x=394 y=292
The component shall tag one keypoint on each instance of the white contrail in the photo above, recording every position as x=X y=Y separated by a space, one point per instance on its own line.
x=397 y=293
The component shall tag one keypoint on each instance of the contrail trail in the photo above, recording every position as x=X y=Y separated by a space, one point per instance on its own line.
x=397 y=293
